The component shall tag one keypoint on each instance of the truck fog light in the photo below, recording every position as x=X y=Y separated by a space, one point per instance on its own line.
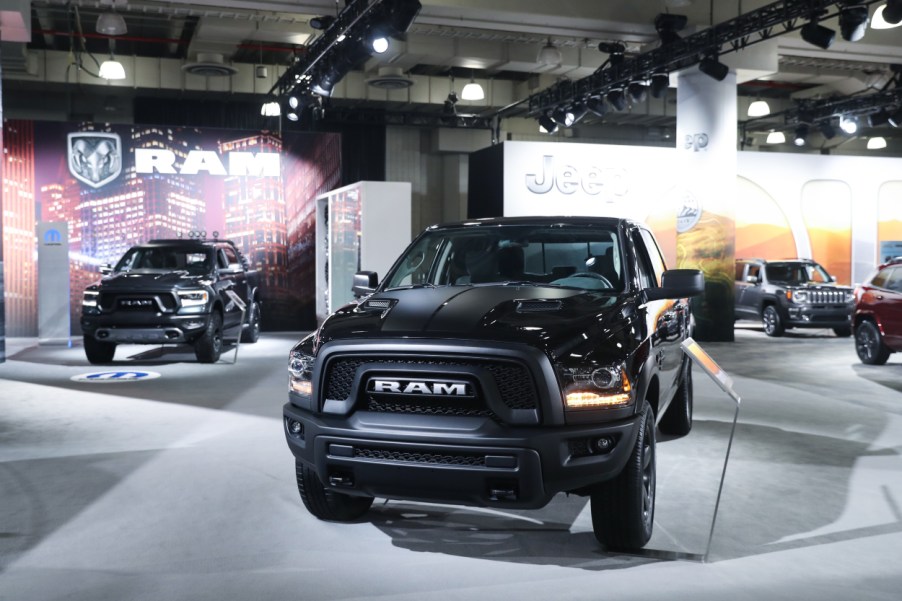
x=603 y=444
x=295 y=428
x=193 y=325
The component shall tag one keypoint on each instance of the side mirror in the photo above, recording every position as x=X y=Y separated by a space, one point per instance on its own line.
x=678 y=283
x=751 y=279
x=365 y=283
x=106 y=269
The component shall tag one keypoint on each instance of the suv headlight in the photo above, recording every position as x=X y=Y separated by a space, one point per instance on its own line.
x=193 y=298
x=797 y=296
x=300 y=373
x=606 y=387
x=90 y=298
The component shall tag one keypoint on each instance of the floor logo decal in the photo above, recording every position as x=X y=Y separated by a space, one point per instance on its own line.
x=116 y=376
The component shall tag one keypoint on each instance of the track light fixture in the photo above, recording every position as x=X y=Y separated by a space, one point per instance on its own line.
x=895 y=118
x=853 y=22
x=848 y=125
x=660 y=82
x=892 y=12
x=827 y=130
x=637 y=91
x=615 y=50
x=616 y=99
x=547 y=124
x=667 y=25
x=321 y=23
x=801 y=135
x=879 y=118
x=817 y=35
x=713 y=68
x=596 y=105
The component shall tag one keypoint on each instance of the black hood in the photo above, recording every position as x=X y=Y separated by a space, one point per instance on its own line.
x=138 y=280
x=544 y=316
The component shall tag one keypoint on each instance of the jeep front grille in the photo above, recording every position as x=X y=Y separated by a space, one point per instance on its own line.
x=829 y=297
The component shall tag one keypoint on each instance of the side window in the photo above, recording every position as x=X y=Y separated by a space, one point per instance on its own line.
x=755 y=272
x=221 y=261
x=654 y=254
x=740 y=272
x=646 y=272
x=231 y=257
x=894 y=279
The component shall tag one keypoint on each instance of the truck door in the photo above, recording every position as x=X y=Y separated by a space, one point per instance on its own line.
x=748 y=290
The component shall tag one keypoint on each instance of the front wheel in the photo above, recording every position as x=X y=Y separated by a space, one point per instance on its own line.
x=623 y=509
x=869 y=344
x=773 y=323
x=251 y=333
x=677 y=420
x=327 y=504
x=208 y=347
x=98 y=351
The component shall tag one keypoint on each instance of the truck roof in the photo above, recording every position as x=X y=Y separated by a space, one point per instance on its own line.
x=549 y=220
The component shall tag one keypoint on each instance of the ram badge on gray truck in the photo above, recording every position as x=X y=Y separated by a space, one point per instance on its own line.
x=172 y=291
x=499 y=362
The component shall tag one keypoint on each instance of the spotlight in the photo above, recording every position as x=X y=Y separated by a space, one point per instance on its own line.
x=638 y=91
x=292 y=116
x=817 y=35
x=616 y=99
x=596 y=105
x=401 y=14
x=848 y=125
x=561 y=116
x=853 y=22
x=892 y=12
x=713 y=68
x=895 y=118
x=547 y=125
x=321 y=23
x=801 y=135
x=293 y=102
x=827 y=130
x=776 y=137
x=879 y=118
x=659 y=84
x=379 y=44
x=614 y=49
x=450 y=107
x=577 y=111
x=667 y=26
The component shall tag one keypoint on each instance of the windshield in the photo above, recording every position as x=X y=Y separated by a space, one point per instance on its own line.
x=193 y=260
x=576 y=257
x=797 y=273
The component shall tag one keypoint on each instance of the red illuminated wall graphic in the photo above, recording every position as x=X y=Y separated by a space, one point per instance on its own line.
x=255 y=188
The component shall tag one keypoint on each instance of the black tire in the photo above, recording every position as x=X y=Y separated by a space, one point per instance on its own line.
x=773 y=323
x=327 y=504
x=98 y=351
x=677 y=420
x=843 y=332
x=869 y=344
x=251 y=333
x=208 y=347
x=623 y=509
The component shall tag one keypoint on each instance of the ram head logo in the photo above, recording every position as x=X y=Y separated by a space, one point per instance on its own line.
x=95 y=158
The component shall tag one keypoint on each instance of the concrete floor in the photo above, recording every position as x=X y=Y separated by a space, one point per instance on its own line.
x=182 y=487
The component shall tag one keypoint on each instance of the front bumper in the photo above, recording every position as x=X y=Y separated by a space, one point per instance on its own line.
x=143 y=328
x=819 y=316
x=468 y=461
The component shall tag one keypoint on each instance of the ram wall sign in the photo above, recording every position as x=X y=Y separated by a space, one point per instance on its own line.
x=95 y=158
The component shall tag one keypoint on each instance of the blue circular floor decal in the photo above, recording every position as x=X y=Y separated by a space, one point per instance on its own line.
x=116 y=376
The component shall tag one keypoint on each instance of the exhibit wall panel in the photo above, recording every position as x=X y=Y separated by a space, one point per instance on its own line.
x=119 y=185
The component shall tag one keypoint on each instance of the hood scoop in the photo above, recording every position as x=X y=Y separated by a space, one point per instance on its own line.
x=539 y=306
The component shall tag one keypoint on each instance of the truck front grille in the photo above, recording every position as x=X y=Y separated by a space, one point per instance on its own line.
x=402 y=456
x=515 y=384
x=829 y=297
x=164 y=302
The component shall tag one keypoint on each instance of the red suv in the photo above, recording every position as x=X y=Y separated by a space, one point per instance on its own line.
x=878 y=314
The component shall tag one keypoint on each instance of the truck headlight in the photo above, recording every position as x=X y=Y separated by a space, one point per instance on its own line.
x=90 y=298
x=606 y=387
x=797 y=296
x=193 y=298
x=300 y=373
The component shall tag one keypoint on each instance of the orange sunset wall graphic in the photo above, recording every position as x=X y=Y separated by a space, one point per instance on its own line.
x=889 y=215
x=827 y=211
x=762 y=229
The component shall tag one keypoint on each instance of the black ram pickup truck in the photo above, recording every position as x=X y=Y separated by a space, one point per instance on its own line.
x=499 y=362
x=172 y=292
x=792 y=293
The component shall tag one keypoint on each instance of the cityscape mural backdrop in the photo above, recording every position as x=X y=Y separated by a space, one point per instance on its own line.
x=185 y=180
